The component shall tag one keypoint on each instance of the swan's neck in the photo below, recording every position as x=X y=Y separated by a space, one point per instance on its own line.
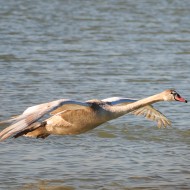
x=120 y=110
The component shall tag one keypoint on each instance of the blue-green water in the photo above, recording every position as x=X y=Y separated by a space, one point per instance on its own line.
x=96 y=49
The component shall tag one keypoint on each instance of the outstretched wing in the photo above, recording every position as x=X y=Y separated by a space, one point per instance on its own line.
x=148 y=111
x=152 y=114
x=34 y=113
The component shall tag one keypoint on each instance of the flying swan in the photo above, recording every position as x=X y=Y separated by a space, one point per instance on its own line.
x=75 y=117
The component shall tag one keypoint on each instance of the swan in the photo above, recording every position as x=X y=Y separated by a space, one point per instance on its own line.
x=74 y=117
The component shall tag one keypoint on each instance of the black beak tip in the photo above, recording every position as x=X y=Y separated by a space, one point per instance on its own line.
x=186 y=101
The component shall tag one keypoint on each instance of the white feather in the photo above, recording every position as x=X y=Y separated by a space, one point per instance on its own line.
x=118 y=100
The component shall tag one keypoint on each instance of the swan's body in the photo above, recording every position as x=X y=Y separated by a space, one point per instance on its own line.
x=74 y=117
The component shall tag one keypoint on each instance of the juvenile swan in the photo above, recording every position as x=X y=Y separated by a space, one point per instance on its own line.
x=74 y=117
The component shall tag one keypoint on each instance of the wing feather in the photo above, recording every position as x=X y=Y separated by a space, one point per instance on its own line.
x=34 y=113
x=118 y=100
x=150 y=113
x=66 y=107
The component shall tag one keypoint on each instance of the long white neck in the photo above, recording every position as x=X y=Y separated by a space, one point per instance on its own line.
x=120 y=110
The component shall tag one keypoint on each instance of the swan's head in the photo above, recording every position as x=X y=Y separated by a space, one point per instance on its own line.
x=172 y=95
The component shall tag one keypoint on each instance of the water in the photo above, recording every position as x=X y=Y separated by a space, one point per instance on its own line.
x=96 y=49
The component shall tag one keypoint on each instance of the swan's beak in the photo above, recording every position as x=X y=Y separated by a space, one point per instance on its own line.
x=180 y=99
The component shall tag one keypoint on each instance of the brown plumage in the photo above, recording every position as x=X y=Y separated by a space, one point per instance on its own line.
x=74 y=117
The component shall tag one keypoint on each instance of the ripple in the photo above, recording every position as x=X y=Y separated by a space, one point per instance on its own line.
x=95 y=49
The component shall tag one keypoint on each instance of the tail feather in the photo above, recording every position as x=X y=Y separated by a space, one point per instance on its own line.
x=35 y=130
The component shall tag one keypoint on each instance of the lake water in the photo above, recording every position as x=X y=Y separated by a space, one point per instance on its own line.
x=96 y=49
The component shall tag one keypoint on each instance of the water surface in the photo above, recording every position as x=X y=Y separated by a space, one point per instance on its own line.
x=96 y=49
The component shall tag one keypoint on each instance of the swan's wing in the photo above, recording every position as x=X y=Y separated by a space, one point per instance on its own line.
x=118 y=101
x=34 y=113
x=152 y=114
x=66 y=107
x=147 y=111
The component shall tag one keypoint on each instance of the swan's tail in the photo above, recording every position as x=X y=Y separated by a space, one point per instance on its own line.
x=36 y=130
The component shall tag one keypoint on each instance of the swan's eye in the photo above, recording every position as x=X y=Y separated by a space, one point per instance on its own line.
x=173 y=92
x=175 y=95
